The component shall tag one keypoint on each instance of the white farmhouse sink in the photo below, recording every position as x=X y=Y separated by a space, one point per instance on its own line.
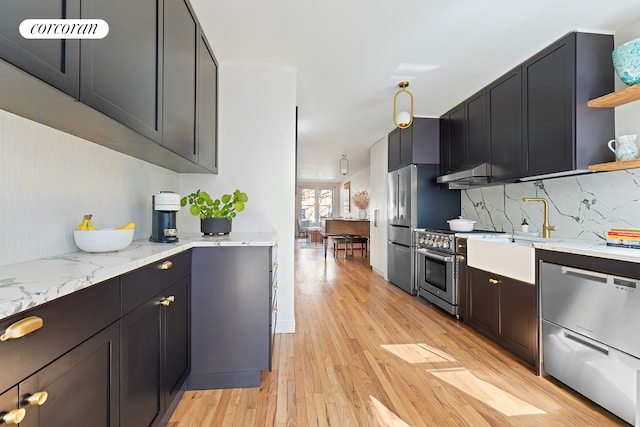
x=508 y=257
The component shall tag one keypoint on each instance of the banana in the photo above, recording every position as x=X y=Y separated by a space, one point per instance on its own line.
x=127 y=226
x=83 y=225
x=86 y=223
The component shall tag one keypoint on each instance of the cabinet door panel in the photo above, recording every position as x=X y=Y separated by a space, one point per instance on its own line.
x=179 y=108
x=81 y=385
x=458 y=154
x=505 y=127
x=120 y=73
x=394 y=150
x=549 y=91
x=140 y=368
x=177 y=338
x=477 y=141
x=483 y=301
x=207 y=108
x=517 y=318
x=54 y=61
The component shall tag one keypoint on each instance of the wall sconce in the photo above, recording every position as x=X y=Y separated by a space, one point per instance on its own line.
x=402 y=119
x=344 y=165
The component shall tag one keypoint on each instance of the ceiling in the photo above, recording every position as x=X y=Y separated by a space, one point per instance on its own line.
x=350 y=56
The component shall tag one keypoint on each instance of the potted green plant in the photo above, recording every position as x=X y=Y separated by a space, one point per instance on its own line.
x=215 y=215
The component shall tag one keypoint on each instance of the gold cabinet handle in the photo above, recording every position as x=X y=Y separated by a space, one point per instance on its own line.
x=22 y=328
x=14 y=416
x=494 y=281
x=166 y=265
x=167 y=301
x=275 y=310
x=275 y=265
x=38 y=398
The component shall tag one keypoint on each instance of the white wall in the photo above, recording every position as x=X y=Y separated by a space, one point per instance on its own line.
x=50 y=179
x=257 y=155
x=358 y=181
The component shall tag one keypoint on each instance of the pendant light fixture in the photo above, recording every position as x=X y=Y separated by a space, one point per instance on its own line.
x=403 y=119
x=344 y=165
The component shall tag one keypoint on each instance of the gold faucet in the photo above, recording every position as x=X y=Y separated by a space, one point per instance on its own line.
x=546 y=228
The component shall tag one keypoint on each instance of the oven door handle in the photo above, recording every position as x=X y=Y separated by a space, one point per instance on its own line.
x=427 y=253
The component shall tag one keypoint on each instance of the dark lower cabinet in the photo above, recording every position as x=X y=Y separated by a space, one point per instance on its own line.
x=82 y=386
x=232 y=307
x=504 y=310
x=140 y=370
x=117 y=353
x=155 y=347
x=54 y=61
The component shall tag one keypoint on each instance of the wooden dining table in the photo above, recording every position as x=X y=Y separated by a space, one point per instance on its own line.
x=343 y=226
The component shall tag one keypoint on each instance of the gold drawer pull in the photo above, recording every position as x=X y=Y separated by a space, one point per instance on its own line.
x=14 y=416
x=494 y=281
x=168 y=300
x=275 y=310
x=38 y=398
x=166 y=265
x=275 y=265
x=22 y=328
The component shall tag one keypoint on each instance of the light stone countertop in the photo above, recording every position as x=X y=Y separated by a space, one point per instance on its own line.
x=572 y=246
x=28 y=284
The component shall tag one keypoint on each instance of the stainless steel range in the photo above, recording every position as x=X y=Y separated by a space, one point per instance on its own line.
x=436 y=268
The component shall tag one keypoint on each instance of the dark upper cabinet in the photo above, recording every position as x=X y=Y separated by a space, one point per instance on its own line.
x=505 y=126
x=476 y=129
x=179 y=74
x=121 y=74
x=207 y=106
x=463 y=139
x=419 y=143
x=453 y=143
x=148 y=89
x=54 y=61
x=561 y=134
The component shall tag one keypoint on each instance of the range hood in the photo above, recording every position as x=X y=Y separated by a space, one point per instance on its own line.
x=474 y=176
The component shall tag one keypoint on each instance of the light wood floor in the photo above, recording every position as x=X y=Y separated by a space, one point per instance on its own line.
x=366 y=353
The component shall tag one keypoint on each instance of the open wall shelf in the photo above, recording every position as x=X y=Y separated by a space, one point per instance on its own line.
x=620 y=97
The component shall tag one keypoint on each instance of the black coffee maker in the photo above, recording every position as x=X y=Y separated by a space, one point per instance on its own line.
x=165 y=205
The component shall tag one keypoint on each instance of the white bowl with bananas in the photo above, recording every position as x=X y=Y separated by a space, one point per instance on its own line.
x=90 y=239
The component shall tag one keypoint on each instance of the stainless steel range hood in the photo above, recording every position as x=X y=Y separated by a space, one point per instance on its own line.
x=474 y=176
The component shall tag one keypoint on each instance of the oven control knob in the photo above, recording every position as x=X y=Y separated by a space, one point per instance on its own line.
x=446 y=244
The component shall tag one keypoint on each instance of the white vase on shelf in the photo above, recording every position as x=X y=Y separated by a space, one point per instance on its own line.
x=362 y=214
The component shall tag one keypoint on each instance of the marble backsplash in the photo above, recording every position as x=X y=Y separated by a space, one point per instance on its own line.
x=581 y=207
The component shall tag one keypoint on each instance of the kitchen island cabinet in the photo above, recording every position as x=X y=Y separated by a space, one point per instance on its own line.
x=233 y=308
x=504 y=310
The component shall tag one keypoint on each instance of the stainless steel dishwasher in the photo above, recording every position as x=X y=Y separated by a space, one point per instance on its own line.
x=590 y=340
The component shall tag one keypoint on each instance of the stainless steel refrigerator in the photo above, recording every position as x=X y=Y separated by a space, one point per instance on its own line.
x=415 y=200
